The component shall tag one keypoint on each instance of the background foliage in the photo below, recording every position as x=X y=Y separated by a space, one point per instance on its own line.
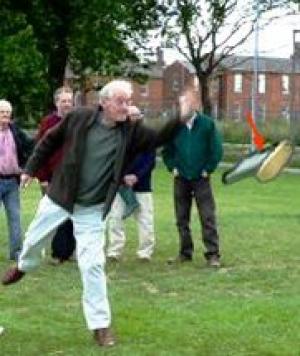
x=22 y=66
x=40 y=37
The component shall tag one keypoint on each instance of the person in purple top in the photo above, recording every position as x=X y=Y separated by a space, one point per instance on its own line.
x=15 y=148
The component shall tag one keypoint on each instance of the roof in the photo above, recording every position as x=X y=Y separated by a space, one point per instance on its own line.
x=265 y=64
x=246 y=64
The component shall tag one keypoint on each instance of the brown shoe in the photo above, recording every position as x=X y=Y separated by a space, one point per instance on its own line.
x=104 y=337
x=12 y=275
x=213 y=261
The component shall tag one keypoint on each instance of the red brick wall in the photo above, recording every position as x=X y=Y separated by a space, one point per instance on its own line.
x=274 y=99
x=162 y=94
x=150 y=99
x=233 y=99
x=178 y=73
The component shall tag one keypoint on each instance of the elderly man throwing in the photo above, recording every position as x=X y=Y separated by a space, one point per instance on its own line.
x=97 y=145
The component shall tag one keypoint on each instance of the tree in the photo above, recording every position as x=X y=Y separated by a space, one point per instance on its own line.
x=208 y=31
x=90 y=35
x=22 y=67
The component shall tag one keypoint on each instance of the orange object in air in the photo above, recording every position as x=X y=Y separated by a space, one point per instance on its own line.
x=258 y=139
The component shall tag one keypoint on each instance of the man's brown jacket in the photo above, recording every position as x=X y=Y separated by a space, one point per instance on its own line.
x=71 y=135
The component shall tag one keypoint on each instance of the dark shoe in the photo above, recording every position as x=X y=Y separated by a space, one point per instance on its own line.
x=213 y=261
x=113 y=259
x=12 y=275
x=56 y=262
x=179 y=259
x=104 y=337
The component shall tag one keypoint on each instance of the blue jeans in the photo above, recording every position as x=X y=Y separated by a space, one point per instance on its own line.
x=10 y=197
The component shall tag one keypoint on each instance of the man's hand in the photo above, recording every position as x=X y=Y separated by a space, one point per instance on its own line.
x=130 y=180
x=44 y=187
x=204 y=174
x=25 y=180
x=175 y=172
x=134 y=113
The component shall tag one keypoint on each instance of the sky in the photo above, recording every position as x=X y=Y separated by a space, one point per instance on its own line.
x=276 y=40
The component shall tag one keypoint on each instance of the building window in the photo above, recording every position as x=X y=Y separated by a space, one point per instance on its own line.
x=285 y=113
x=175 y=85
x=261 y=112
x=285 y=84
x=238 y=83
x=261 y=84
x=144 y=90
x=216 y=111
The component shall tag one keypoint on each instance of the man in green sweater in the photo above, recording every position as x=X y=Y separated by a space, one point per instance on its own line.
x=192 y=156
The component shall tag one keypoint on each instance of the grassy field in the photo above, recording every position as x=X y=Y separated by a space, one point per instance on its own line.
x=251 y=306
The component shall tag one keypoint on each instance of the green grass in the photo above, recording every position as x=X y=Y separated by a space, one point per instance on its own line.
x=248 y=307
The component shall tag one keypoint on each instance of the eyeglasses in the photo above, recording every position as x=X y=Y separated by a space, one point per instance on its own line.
x=121 y=101
x=136 y=116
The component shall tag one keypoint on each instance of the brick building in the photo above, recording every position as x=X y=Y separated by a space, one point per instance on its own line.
x=278 y=87
x=275 y=98
x=147 y=90
x=178 y=77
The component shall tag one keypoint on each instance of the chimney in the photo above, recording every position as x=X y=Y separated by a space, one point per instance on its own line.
x=160 y=57
x=297 y=50
x=296 y=53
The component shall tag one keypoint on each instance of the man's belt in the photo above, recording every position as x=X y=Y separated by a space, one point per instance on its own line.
x=9 y=176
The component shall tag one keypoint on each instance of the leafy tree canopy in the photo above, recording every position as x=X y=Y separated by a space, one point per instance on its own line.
x=22 y=67
x=94 y=35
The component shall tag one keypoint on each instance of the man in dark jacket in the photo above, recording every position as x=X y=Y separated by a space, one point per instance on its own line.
x=192 y=156
x=97 y=145
x=134 y=196
x=15 y=148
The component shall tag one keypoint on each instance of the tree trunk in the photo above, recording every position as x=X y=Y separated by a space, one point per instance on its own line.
x=56 y=70
x=205 y=96
x=58 y=56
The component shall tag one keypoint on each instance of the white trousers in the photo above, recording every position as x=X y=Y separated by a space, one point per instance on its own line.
x=145 y=220
x=89 y=230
